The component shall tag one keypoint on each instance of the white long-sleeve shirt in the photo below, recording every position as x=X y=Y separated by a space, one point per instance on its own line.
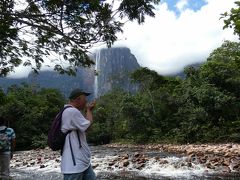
x=72 y=119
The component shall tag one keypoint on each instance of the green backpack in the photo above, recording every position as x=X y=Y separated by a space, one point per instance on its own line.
x=4 y=141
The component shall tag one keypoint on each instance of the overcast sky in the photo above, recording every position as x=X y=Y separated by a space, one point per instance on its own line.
x=183 y=32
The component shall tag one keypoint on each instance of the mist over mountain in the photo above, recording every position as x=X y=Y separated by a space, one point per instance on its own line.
x=114 y=68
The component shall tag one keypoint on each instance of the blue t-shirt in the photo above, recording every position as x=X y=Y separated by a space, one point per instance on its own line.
x=11 y=135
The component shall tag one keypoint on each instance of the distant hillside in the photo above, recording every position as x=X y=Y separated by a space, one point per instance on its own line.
x=114 y=67
x=115 y=64
x=182 y=75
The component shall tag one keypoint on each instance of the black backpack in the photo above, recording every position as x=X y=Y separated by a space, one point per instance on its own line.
x=56 y=138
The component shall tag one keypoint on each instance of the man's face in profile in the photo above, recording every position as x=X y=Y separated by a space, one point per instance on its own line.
x=81 y=101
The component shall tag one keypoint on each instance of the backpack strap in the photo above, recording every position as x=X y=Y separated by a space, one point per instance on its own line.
x=73 y=158
x=79 y=141
x=60 y=114
x=61 y=152
x=80 y=145
x=71 y=149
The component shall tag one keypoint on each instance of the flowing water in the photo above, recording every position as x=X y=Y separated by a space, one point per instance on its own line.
x=98 y=55
x=175 y=168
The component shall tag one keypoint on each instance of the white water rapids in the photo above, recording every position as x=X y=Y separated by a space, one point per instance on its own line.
x=159 y=165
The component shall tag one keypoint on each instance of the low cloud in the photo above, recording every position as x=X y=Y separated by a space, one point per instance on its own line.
x=169 y=42
x=173 y=40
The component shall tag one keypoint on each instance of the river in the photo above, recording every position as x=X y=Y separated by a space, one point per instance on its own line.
x=126 y=164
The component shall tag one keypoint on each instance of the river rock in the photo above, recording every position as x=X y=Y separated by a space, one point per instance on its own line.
x=125 y=156
x=136 y=155
x=226 y=169
x=140 y=166
x=210 y=166
x=111 y=163
x=236 y=167
x=58 y=160
x=42 y=166
x=125 y=163
x=189 y=164
x=163 y=161
x=203 y=160
x=226 y=163
x=95 y=165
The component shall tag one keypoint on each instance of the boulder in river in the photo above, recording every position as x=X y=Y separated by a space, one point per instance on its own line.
x=125 y=163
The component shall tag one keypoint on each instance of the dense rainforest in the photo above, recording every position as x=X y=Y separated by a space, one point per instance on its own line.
x=204 y=107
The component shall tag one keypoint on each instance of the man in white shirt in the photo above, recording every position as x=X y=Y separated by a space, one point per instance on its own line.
x=76 y=155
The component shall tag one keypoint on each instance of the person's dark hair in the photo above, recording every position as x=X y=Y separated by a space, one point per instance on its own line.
x=2 y=121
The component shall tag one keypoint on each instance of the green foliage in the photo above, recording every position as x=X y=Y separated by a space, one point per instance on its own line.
x=30 y=111
x=2 y=97
x=223 y=66
x=109 y=121
x=35 y=31
x=232 y=19
x=39 y=141
x=203 y=107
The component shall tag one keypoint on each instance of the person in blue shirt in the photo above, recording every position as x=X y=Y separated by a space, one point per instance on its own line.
x=7 y=145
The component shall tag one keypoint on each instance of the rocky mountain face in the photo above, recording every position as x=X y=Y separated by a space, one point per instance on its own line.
x=113 y=68
x=112 y=72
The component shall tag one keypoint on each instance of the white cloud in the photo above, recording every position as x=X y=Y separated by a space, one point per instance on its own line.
x=181 y=4
x=167 y=43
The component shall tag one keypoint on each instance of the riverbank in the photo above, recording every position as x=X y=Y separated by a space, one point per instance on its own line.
x=220 y=157
x=122 y=161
